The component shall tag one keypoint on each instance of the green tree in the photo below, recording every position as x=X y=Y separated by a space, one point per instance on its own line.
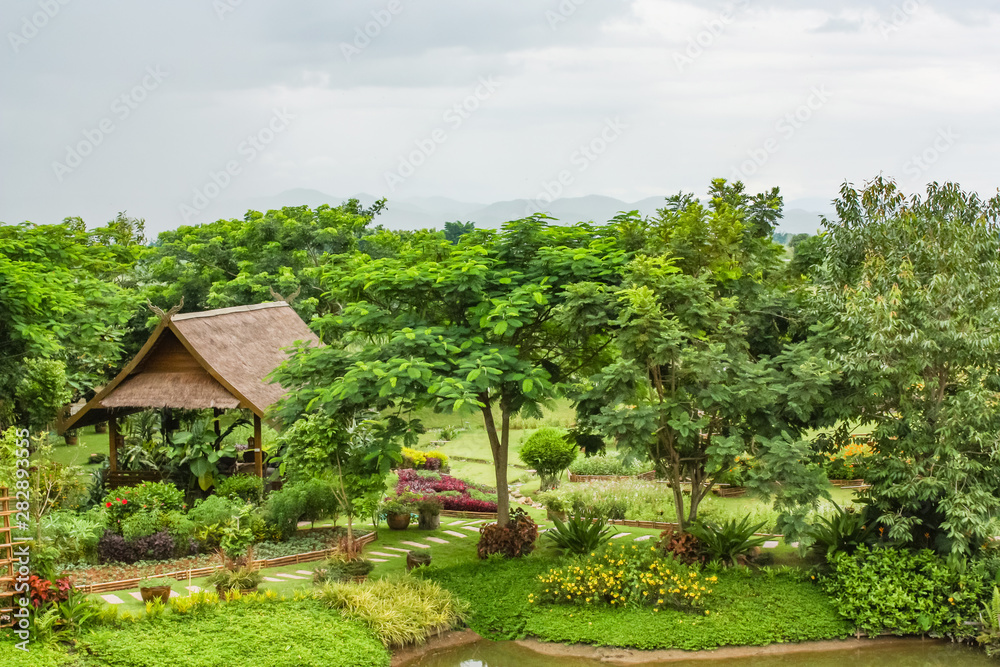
x=453 y=231
x=482 y=325
x=60 y=301
x=911 y=287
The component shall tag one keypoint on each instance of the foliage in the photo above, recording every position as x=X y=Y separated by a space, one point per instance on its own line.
x=63 y=311
x=549 y=452
x=156 y=582
x=625 y=576
x=419 y=460
x=902 y=592
x=606 y=465
x=842 y=532
x=140 y=524
x=708 y=366
x=236 y=577
x=74 y=535
x=911 y=291
x=579 y=535
x=681 y=545
x=730 y=542
x=149 y=496
x=248 y=488
x=399 y=610
x=297 y=544
x=215 y=509
x=454 y=493
x=399 y=504
x=476 y=326
x=620 y=499
x=848 y=462
x=240 y=632
x=513 y=539
x=200 y=450
x=43 y=593
x=309 y=500
x=341 y=569
x=989 y=638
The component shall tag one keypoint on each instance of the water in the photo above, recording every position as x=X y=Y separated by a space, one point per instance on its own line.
x=913 y=653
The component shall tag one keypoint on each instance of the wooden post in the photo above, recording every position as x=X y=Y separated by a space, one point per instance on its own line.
x=258 y=444
x=218 y=427
x=113 y=443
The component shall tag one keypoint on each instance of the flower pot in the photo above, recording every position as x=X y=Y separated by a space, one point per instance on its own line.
x=398 y=521
x=429 y=521
x=101 y=427
x=70 y=438
x=552 y=515
x=416 y=560
x=161 y=593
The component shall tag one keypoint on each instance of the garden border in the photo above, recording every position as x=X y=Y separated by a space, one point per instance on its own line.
x=195 y=573
x=646 y=476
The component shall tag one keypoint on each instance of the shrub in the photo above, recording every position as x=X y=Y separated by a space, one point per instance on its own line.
x=342 y=570
x=74 y=536
x=682 y=546
x=419 y=460
x=140 y=524
x=298 y=544
x=399 y=610
x=239 y=577
x=158 y=546
x=844 y=531
x=309 y=500
x=579 y=535
x=902 y=592
x=162 y=496
x=624 y=576
x=214 y=510
x=112 y=548
x=248 y=488
x=456 y=494
x=848 y=462
x=549 y=452
x=605 y=465
x=730 y=542
x=97 y=459
x=514 y=540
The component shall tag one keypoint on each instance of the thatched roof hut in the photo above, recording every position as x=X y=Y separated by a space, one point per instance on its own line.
x=214 y=359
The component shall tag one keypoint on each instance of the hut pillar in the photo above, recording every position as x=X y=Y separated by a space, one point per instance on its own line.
x=113 y=443
x=258 y=447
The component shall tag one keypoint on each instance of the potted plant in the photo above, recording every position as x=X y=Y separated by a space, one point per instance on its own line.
x=101 y=427
x=555 y=505
x=429 y=513
x=70 y=436
x=417 y=558
x=157 y=588
x=397 y=512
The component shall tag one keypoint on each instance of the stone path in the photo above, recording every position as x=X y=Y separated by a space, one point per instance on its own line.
x=770 y=544
x=383 y=554
x=457 y=523
x=418 y=545
x=112 y=599
x=304 y=572
x=615 y=537
x=285 y=575
x=455 y=533
x=474 y=529
x=402 y=551
x=438 y=540
x=272 y=580
x=643 y=538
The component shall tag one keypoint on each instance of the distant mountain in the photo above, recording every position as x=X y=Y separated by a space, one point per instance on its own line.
x=433 y=212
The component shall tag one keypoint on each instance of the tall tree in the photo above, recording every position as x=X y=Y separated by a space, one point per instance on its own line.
x=911 y=287
x=478 y=326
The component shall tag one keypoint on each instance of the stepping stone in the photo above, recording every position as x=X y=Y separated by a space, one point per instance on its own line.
x=137 y=596
x=285 y=575
x=770 y=544
x=273 y=580
x=437 y=540
x=402 y=551
x=474 y=529
x=643 y=538
x=418 y=545
x=174 y=594
x=378 y=560
x=379 y=553
x=474 y=523
x=457 y=523
x=193 y=589
x=794 y=545
x=615 y=537
x=112 y=599
x=454 y=533
x=303 y=524
x=304 y=572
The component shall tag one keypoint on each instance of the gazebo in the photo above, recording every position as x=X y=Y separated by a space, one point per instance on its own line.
x=213 y=359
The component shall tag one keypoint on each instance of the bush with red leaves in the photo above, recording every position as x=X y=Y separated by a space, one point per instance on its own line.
x=685 y=547
x=514 y=540
x=44 y=592
x=459 y=500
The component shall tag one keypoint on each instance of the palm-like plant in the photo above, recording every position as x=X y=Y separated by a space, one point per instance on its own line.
x=579 y=535
x=844 y=531
x=728 y=541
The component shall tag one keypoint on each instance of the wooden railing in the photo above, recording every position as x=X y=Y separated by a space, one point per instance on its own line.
x=7 y=567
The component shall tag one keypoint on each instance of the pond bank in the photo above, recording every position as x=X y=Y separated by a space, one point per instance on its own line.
x=412 y=655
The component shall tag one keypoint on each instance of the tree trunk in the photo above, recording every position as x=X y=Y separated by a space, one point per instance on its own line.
x=498 y=445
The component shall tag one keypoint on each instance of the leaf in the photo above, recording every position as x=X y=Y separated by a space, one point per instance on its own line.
x=527 y=385
x=500 y=328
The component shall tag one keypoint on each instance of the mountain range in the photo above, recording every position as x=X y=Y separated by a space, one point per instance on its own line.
x=432 y=212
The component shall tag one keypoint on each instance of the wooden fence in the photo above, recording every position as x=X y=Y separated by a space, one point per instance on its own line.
x=646 y=476
x=197 y=573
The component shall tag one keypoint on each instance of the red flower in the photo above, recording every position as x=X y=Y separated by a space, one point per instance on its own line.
x=109 y=503
x=124 y=502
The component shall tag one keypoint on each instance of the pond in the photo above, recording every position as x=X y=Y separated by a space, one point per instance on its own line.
x=913 y=653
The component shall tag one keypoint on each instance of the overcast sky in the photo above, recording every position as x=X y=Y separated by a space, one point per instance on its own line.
x=176 y=110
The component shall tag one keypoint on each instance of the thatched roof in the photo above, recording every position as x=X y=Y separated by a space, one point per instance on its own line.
x=213 y=359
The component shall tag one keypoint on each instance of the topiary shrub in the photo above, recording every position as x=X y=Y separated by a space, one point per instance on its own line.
x=514 y=540
x=549 y=452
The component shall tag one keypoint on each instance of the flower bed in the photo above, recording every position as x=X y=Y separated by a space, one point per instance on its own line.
x=454 y=493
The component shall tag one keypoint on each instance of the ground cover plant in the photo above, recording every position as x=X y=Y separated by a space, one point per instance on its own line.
x=454 y=493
